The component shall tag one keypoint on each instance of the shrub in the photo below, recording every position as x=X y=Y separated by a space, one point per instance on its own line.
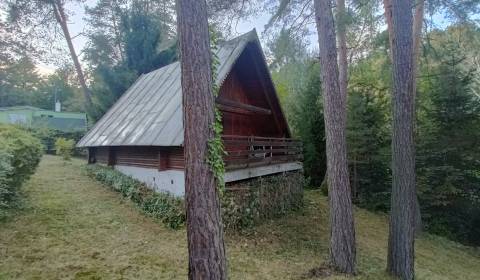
x=48 y=137
x=20 y=154
x=243 y=205
x=64 y=147
x=165 y=207
x=249 y=202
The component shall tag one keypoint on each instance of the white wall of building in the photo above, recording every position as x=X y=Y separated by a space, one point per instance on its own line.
x=171 y=181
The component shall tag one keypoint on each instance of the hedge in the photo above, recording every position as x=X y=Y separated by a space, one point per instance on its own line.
x=244 y=204
x=251 y=201
x=160 y=205
x=20 y=154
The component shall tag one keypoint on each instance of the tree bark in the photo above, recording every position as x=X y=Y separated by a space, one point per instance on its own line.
x=342 y=46
x=400 y=261
x=417 y=37
x=61 y=18
x=204 y=229
x=417 y=33
x=342 y=229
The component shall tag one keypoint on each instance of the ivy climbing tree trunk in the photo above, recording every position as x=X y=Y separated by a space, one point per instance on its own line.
x=204 y=228
x=400 y=261
x=342 y=229
x=61 y=19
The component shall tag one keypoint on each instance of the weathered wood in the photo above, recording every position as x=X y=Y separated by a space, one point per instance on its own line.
x=111 y=156
x=230 y=105
x=264 y=87
x=101 y=155
x=163 y=161
x=91 y=155
x=204 y=227
x=245 y=151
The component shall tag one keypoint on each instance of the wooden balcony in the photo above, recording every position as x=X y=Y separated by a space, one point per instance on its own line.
x=253 y=151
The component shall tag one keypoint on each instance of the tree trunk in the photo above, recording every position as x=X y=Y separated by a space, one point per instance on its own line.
x=342 y=46
x=402 y=221
x=387 y=5
x=204 y=229
x=342 y=229
x=62 y=20
x=417 y=33
x=417 y=37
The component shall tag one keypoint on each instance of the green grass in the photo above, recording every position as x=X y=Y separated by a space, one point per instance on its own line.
x=74 y=228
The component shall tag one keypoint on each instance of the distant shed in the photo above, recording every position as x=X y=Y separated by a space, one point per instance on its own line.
x=36 y=118
x=142 y=134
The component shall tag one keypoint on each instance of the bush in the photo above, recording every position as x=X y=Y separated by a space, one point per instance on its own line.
x=20 y=154
x=48 y=137
x=249 y=202
x=243 y=205
x=168 y=209
x=64 y=147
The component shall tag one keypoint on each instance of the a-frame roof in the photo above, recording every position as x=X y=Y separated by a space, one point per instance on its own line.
x=149 y=113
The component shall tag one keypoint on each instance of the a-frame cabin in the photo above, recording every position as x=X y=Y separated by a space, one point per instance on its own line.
x=142 y=134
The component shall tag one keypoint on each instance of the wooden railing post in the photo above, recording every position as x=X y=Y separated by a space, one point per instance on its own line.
x=249 y=151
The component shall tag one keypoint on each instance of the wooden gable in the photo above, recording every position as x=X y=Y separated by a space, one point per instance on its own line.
x=248 y=100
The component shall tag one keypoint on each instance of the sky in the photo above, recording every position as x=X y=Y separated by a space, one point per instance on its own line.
x=77 y=24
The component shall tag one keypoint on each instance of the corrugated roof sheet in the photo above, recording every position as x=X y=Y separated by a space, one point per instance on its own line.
x=149 y=113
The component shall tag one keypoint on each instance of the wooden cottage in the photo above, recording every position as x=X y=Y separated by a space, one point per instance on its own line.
x=142 y=134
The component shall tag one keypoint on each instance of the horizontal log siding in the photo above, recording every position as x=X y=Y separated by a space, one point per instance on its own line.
x=242 y=152
x=101 y=155
x=147 y=157
x=176 y=159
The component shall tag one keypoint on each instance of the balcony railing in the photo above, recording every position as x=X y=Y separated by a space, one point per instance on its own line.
x=252 y=151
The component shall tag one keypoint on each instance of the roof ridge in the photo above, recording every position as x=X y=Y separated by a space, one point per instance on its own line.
x=136 y=124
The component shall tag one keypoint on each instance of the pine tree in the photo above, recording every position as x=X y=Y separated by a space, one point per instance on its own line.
x=368 y=150
x=206 y=247
x=449 y=150
x=307 y=120
x=400 y=262
x=342 y=229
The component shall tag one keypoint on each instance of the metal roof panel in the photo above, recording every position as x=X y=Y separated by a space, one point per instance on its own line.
x=149 y=113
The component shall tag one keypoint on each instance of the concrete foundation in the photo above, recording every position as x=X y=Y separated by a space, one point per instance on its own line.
x=173 y=181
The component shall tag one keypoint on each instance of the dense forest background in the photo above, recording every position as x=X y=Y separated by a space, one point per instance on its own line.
x=127 y=38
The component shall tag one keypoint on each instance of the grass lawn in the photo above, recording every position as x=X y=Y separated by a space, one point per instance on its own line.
x=74 y=228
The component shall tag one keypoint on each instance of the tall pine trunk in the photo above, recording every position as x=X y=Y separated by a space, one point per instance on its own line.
x=342 y=229
x=61 y=18
x=204 y=228
x=400 y=261
x=416 y=37
x=342 y=46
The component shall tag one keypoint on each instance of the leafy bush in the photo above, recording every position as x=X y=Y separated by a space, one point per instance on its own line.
x=48 y=137
x=168 y=209
x=249 y=202
x=243 y=205
x=20 y=154
x=64 y=147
